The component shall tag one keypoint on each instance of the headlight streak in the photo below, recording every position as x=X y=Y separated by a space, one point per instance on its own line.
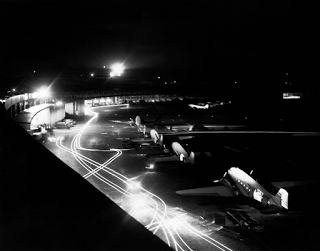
x=164 y=226
x=99 y=176
x=177 y=233
x=109 y=169
x=99 y=167
x=193 y=231
x=102 y=178
x=118 y=154
x=161 y=217
x=106 y=169
x=203 y=236
x=103 y=166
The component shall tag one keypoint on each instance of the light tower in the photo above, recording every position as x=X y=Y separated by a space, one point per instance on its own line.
x=117 y=69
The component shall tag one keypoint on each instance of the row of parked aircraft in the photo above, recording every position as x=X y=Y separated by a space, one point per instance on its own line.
x=235 y=182
x=272 y=196
x=208 y=104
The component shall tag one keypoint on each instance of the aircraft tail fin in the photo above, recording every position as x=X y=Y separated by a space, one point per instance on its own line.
x=277 y=204
x=160 y=141
x=156 y=137
x=190 y=159
x=284 y=196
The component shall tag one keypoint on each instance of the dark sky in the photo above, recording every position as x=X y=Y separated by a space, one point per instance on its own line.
x=193 y=38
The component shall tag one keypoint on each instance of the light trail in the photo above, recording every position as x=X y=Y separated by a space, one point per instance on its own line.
x=82 y=161
x=169 y=221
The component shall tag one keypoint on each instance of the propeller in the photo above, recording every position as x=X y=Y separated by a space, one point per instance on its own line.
x=220 y=180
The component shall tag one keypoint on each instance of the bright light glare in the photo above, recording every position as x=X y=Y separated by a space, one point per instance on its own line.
x=58 y=103
x=134 y=185
x=52 y=139
x=117 y=69
x=44 y=92
x=112 y=74
x=150 y=166
x=173 y=222
x=61 y=138
x=138 y=201
x=35 y=95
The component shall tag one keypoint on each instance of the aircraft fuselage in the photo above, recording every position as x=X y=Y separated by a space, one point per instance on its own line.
x=248 y=187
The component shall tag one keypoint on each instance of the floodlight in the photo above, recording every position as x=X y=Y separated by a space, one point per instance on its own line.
x=117 y=69
x=59 y=103
x=44 y=92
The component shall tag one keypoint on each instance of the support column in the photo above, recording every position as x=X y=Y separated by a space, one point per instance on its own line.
x=10 y=111
x=80 y=107
x=14 y=110
x=27 y=104
x=23 y=105
x=74 y=108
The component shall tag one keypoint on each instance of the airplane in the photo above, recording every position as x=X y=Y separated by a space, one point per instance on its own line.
x=180 y=155
x=199 y=106
x=130 y=122
x=128 y=142
x=214 y=104
x=177 y=148
x=143 y=141
x=156 y=138
x=236 y=182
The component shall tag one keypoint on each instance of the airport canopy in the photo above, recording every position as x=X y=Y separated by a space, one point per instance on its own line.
x=26 y=115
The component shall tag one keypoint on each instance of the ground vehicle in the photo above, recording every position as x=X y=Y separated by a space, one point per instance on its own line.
x=62 y=125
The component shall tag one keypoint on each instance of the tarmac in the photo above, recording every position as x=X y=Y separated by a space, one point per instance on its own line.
x=45 y=205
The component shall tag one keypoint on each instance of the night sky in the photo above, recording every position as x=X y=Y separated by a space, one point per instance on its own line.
x=191 y=39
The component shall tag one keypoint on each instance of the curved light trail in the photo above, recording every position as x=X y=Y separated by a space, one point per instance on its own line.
x=171 y=223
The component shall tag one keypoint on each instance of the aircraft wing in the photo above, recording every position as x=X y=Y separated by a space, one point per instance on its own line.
x=287 y=184
x=222 y=191
x=208 y=132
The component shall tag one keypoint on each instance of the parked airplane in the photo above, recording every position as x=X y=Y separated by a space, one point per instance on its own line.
x=202 y=106
x=176 y=147
x=156 y=138
x=180 y=154
x=236 y=182
x=214 y=104
x=131 y=142
x=130 y=122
